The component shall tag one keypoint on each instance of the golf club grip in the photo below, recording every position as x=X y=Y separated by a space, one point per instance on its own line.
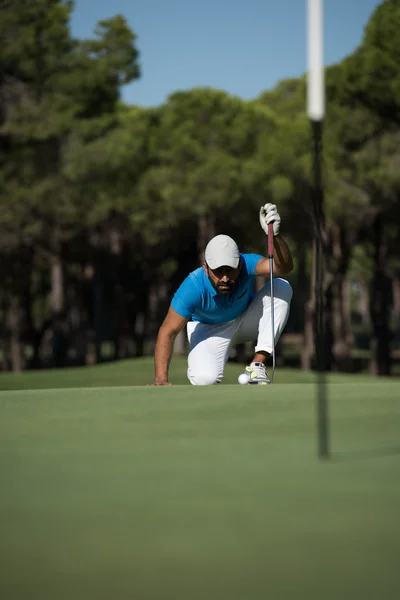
x=270 y=240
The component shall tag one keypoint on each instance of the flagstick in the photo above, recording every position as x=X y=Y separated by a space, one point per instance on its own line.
x=316 y=113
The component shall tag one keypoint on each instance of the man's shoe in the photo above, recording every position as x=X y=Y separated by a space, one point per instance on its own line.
x=257 y=373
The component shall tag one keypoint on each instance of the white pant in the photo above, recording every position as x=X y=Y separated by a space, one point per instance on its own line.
x=210 y=344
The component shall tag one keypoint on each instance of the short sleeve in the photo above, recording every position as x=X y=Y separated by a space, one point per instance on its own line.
x=186 y=298
x=251 y=261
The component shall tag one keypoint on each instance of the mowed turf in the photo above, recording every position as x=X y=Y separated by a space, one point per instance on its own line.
x=183 y=492
x=139 y=372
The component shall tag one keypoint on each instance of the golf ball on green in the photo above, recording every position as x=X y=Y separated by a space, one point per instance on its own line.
x=243 y=378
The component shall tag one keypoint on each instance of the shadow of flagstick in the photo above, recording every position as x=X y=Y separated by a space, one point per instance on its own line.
x=365 y=454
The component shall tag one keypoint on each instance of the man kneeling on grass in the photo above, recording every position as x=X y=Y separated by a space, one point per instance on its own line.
x=217 y=303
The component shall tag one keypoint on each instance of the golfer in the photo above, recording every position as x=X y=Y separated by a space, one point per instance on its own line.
x=217 y=304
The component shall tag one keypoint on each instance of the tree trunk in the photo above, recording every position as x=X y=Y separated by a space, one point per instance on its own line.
x=328 y=324
x=14 y=325
x=59 y=323
x=206 y=230
x=156 y=311
x=91 y=351
x=396 y=299
x=303 y=302
x=57 y=285
x=380 y=363
x=341 y=325
x=302 y=288
x=364 y=302
x=139 y=333
x=3 y=349
x=140 y=311
x=87 y=333
x=341 y=330
x=307 y=350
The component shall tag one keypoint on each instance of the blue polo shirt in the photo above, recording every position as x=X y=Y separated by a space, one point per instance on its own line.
x=196 y=299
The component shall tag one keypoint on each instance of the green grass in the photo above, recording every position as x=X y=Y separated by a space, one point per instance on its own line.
x=197 y=493
x=141 y=372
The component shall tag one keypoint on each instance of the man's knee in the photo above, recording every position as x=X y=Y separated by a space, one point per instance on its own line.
x=283 y=289
x=203 y=376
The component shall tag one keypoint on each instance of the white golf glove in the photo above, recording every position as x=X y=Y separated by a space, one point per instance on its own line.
x=269 y=214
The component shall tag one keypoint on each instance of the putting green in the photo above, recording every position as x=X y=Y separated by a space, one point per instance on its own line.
x=183 y=492
x=140 y=371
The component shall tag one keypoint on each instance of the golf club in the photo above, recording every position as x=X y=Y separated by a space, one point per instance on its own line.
x=271 y=275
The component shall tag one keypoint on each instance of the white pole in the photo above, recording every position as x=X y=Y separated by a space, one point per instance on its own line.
x=316 y=79
x=316 y=113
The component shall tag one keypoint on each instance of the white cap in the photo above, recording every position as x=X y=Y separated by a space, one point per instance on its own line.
x=222 y=251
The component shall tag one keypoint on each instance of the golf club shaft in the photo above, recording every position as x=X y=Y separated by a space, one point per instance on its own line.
x=271 y=274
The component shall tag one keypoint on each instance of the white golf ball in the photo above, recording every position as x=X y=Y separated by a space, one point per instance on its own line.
x=243 y=378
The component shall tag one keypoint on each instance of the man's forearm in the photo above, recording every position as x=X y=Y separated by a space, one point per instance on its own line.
x=283 y=262
x=163 y=355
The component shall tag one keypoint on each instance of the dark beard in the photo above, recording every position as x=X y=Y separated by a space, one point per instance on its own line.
x=224 y=292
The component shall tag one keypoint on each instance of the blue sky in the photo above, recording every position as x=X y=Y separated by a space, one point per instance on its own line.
x=240 y=46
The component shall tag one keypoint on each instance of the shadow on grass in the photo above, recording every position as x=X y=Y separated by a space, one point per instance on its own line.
x=365 y=454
